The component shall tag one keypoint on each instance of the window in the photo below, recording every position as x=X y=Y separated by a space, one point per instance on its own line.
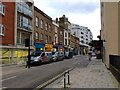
x=46 y=26
x=2 y=28
x=49 y=27
x=49 y=38
x=65 y=34
x=2 y=9
x=81 y=36
x=82 y=41
x=36 y=35
x=55 y=38
x=82 y=33
x=41 y=36
x=69 y=42
x=36 y=21
x=60 y=32
x=65 y=41
x=46 y=38
x=55 y=29
x=41 y=23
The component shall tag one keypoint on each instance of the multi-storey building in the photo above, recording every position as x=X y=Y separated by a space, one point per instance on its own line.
x=84 y=34
x=42 y=28
x=63 y=21
x=58 y=35
x=55 y=32
x=110 y=34
x=110 y=29
x=75 y=44
x=16 y=26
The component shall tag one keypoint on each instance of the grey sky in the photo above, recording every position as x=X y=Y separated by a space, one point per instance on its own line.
x=82 y=12
x=80 y=7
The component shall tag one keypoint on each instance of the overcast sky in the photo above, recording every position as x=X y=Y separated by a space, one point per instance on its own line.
x=82 y=12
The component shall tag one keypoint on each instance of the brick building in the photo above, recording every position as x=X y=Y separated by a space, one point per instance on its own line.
x=63 y=22
x=43 y=32
x=74 y=43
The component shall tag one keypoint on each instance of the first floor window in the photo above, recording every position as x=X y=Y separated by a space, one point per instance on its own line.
x=2 y=28
x=65 y=41
x=41 y=36
x=60 y=32
x=36 y=21
x=36 y=35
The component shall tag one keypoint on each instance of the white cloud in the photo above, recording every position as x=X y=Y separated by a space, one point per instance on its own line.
x=90 y=19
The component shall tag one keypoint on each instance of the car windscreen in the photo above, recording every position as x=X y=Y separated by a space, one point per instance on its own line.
x=53 y=53
x=34 y=54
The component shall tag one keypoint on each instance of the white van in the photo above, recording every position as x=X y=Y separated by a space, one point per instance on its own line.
x=46 y=57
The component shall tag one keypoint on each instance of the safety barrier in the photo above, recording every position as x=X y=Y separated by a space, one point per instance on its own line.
x=115 y=66
x=66 y=75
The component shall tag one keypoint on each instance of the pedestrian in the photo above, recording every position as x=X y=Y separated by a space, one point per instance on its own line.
x=90 y=54
x=28 y=62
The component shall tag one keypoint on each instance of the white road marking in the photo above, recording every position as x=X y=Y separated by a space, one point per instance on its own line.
x=3 y=88
x=7 y=79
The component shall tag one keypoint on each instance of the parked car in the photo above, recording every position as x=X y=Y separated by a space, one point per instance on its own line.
x=46 y=57
x=68 y=55
x=54 y=56
x=35 y=58
x=60 y=55
x=38 y=58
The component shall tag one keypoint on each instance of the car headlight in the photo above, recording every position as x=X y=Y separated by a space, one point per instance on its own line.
x=36 y=59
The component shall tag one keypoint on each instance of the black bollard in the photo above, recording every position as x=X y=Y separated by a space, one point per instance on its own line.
x=65 y=80
x=68 y=78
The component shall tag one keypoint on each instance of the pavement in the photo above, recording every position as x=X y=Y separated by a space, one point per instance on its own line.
x=95 y=75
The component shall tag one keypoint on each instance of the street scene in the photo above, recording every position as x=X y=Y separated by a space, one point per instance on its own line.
x=59 y=44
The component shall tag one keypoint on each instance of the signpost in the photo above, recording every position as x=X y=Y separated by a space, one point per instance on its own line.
x=27 y=44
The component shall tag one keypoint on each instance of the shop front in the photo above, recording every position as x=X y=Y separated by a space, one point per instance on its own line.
x=39 y=46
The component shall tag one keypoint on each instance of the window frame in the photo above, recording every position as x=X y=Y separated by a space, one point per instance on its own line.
x=41 y=36
x=36 y=35
x=2 y=11
x=37 y=22
x=2 y=30
x=49 y=26
x=41 y=23
x=46 y=26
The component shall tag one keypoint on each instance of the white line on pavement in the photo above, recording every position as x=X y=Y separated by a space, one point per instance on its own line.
x=7 y=79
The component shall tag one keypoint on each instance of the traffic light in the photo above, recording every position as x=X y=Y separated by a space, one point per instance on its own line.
x=27 y=42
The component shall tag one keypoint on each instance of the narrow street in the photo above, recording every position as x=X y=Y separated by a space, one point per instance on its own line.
x=18 y=76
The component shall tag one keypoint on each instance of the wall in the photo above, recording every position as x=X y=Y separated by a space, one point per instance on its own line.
x=110 y=29
x=8 y=37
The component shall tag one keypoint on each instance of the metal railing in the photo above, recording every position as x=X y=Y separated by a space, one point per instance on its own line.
x=115 y=61
x=25 y=10
x=115 y=66
x=66 y=75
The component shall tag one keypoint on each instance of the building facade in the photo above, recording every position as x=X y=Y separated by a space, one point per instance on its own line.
x=110 y=33
x=84 y=34
x=75 y=44
x=63 y=22
x=55 y=32
x=15 y=31
x=43 y=33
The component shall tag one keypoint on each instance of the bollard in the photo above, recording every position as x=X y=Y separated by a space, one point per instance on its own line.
x=68 y=78
x=65 y=80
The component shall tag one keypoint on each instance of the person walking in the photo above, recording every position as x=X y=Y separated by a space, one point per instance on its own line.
x=28 y=62
x=90 y=54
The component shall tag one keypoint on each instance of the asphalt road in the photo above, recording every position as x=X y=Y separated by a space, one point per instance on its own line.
x=18 y=76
